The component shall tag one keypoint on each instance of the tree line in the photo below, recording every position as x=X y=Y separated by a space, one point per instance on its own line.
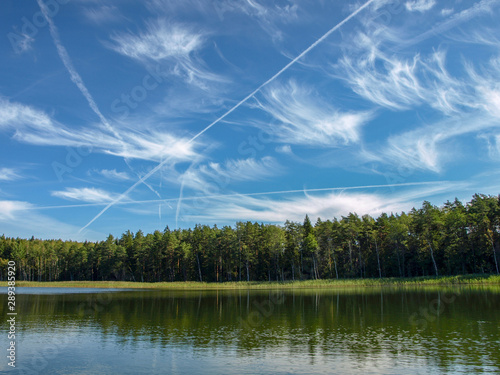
x=453 y=239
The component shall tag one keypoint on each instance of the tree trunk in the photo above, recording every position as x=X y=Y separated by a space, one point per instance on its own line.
x=350 y=257
x=494 y=254
x=199 y=267
x=335 y=263
x=433 y=260
x=378 y=260
x=399 y=261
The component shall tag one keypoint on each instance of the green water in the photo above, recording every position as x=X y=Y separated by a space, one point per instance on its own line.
x=365 y=331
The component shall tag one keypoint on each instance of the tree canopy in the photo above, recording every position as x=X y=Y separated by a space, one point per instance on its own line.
x=447 y=240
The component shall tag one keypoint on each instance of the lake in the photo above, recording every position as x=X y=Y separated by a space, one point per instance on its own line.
x=431 y=330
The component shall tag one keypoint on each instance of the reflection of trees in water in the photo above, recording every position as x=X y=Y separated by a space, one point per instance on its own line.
x=364 y=325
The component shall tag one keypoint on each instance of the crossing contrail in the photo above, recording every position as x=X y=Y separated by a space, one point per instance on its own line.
x=218 y=196
x=285 y=68
x=78 y=81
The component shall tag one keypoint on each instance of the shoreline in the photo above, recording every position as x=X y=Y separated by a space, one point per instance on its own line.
x=299 y=284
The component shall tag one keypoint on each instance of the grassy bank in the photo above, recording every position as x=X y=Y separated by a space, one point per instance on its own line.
x=341 y=283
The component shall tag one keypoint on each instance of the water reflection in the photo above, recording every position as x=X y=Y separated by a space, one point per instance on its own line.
x=448 y=330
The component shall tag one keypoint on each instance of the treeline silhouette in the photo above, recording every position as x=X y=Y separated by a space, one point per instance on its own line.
x=448 y=240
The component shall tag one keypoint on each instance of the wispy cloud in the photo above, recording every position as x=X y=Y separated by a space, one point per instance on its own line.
x=9 y=174
x=237 y=105
x=464 y=94
x=447 y=11
x=113 y=174
x=89 y=195
x=22 y=219
x=302 y=117
x=214 y=176
x=420 y=5
x=162 y=40
x=9 y=209
x=428 y=147
x=326 y=206
x=493 y=144
x=170 y=44
x=284 y=149
x=479 y=8
x=36 y=127
x=270 y=17
x=14 y=115
x=399 y=84
x=101 y=14
x=468 y=101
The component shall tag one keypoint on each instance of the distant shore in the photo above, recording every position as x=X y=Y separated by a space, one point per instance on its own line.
x=329 y=283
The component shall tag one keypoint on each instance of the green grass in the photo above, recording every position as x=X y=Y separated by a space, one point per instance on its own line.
x=341 y=283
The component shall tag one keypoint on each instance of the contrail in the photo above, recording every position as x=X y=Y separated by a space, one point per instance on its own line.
x=178 y=209
x=286 y=67
x=78 y=81
x=454 y=20
x=217 y=196
x=75 y=77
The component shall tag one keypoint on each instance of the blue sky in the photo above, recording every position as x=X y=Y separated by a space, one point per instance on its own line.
x=118 y=115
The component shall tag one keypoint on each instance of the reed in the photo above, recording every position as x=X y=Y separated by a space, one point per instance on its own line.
x=477 y=279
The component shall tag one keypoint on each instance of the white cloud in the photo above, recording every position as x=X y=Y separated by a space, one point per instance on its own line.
x=326 y=206
x=447 y=11
x=36 y=127
x=483 y=7
x=9 y=174
x=400 y=84
x=13 y=115
x=464 y=94
x=375 y=72
x=270 y=17
x=170 y=44
x=89 y=195
x=102 y=14
x=430 y=146
x=9 y=209
x=113 y=174
x=420 y=5
x=245 y=169
x=213 y=176
x=284 y=149
x=493 y=144
x=303 y=118
x=491 y=100
x=487 y=86
x=161 y=41
x=23 y=219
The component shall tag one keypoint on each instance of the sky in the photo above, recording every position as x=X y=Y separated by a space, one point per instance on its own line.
x=123 y=115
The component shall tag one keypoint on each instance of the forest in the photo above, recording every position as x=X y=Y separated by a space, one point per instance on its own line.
x=453 y=239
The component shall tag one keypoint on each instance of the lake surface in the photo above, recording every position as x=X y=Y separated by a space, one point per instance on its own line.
x=365 y=331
